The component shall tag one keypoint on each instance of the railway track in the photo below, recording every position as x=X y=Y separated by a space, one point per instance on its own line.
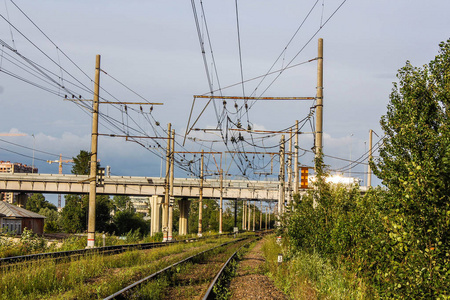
x=94 y=275
x=108 y=250
x=192 y=277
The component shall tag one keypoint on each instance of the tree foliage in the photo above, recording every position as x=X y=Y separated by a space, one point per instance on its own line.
x=415 y=166
x=398 y=240
x=127 y=220
x=37 y=201
x=74 y=215
x=81 y=163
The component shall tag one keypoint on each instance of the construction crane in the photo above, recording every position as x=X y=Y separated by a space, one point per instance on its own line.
x=60 y=161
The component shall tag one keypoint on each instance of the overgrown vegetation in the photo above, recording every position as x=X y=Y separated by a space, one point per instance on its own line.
x=398 y=240
x=305 y=275
x=94 y=276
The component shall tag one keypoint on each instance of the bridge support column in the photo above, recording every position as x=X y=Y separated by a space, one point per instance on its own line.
x=155 y=206
x=183 y=204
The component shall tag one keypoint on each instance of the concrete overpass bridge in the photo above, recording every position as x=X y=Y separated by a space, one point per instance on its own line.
x=138 y=186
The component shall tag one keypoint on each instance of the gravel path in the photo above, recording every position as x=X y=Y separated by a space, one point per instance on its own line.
x=250 y=281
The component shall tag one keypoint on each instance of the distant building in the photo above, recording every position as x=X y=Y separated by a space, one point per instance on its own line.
x=14 y=219
x=8 y=167
x=141 y=204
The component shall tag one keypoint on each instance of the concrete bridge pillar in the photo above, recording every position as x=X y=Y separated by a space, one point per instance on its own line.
x=155 y=206
x=184 y=205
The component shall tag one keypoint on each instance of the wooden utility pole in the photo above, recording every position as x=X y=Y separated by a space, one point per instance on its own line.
x=171 y=197
x=166 y=187
x=296 y=172
x=319 y=100
x=221 y=202
x=200 y=200
x=93 y=169
x=282 y=195
x=369 y=171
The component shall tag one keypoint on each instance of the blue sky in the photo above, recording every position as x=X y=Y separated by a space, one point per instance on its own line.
x=153 y=48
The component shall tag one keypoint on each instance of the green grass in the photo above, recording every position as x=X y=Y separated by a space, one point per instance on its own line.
x=88 y=277
x=303 y=275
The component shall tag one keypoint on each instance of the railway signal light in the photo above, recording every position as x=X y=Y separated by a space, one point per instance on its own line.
x=304 y=178
x=100 y=177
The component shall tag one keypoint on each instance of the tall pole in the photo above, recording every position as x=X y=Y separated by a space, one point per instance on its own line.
x=296 y=171
x=171 y=197
x=289 y=168
x=221 y=202
x=266 y=218
x=235 y=213
x=243 y=215
x=249 y=218
x=166 y=187
x=369 y=171
x=254 y=217
x=319 y=99
x=282 y=195
x=260 y=215
x=200 y=200
x=93 y=169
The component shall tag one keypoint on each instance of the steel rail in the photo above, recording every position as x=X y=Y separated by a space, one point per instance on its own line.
x=208 y=294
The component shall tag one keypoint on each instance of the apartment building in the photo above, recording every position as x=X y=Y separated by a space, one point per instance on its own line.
x=9 y=167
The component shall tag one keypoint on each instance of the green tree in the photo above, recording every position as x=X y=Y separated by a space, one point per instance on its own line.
x=127 y=220
x=81 y=163
x=37 y=201
x=121 y=202
x=103 y=206
x=51 y=220
x=210 y=216
x=74 y=214
x=414 y=165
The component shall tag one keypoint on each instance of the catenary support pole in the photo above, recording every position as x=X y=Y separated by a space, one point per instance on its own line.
x=282 y=195
x=166 y=187
x=289 y=169
x=296 y=169
x=171 y=197
x=200 y=200
x=319 y=100
x=221 y=202
x=254 y=217
x=260 y=214
x=93 y=169
x=235 y=213
x=249 y=220
x=266 y=218
x=243 y=214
